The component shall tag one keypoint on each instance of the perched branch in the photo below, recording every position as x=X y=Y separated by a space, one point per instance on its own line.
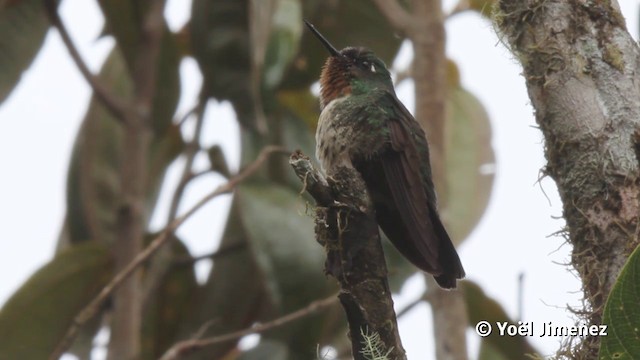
x=346 y=227
x=186 y=347
x=314 y=182
x=92 y=308
x=118 y=107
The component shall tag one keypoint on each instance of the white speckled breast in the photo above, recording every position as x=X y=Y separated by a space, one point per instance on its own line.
x=333 y=138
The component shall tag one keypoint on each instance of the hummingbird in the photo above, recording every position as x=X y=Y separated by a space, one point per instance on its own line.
x=364 y=126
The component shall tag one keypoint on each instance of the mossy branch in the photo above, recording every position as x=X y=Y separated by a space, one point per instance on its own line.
x=581 y=70
x=347 y=229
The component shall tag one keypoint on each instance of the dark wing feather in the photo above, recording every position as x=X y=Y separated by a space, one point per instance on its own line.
x=407 y=191
x=405 y=201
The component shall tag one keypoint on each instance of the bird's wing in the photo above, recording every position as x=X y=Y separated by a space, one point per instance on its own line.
x=408 y=173
x=402 y=164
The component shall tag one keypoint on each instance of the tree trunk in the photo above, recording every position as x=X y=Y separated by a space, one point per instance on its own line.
x=581 y=70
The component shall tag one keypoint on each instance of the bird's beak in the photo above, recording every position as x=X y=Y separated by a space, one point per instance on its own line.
x=322 y=39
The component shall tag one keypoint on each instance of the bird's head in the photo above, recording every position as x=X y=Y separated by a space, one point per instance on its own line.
x=352 y=70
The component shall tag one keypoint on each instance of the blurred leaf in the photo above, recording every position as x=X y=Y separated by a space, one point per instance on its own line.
x=282 y=238
x=93 y=184
x=169 y=305
x=484 y=7
x=283 y=42
x=23 y=25
x=221 y=44
x=36 y=317
x=622 y=314
x=233 y=297
x=480 y=307
x=279 y=271
x=291 y=261
x=344 y=23
x=303 y=104
x=469 y=161
x=218 y=161
x=124 y=19
x=487 y=352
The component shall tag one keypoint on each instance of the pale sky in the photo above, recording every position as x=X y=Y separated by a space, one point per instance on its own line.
x=515 y=235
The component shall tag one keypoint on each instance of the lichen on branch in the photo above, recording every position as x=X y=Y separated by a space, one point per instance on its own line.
x=581 y=70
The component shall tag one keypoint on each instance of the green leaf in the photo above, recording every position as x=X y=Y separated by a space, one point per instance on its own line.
x=169 y=305
x=285 y=34
x=480 y=307
x=469 y=161
x=234 y=294
x=123 y=20
x=303 y=104
x=292 y=263
x=282 y=238
x=93 y=183
x=488 y=352
x=36 y=317
x=23 y=25
x=221 y=43
x=278 y=271
x=484 y=7
x=622 y=314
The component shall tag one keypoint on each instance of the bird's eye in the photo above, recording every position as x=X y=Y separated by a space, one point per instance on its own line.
x=368 y=66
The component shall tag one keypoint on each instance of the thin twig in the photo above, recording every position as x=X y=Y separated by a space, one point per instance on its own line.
x=189 y=260
x=183 y=347
x=411 y=305
x=91 y=309
x=162 y=261
x=188 y=114
x=118 y=107
x=191 y=151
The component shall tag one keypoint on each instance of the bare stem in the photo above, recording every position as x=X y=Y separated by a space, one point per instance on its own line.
x=126 y=324
x=190 y=260
x=92 y=308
